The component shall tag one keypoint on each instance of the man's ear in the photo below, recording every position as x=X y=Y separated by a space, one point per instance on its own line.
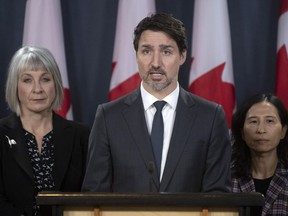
x=183 y=56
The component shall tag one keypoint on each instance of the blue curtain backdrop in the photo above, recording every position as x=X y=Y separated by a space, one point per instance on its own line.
x=89 y=28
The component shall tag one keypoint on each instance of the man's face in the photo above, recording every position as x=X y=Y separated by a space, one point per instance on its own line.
x=159 y=61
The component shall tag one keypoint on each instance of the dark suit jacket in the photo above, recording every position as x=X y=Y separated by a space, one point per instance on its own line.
x=16 y=175
x=120 y=156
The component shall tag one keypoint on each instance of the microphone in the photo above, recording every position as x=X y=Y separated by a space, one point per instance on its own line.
x=151 y=168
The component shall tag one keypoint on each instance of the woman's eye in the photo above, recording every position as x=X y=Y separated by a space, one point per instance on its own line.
x=46 y=79
x=252 y=122
x=27 y=80
x=270 y=120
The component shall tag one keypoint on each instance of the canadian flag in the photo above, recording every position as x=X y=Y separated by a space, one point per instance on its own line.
x=282 y=56
x=43 y=27
x=211 y=74
x=125 y=77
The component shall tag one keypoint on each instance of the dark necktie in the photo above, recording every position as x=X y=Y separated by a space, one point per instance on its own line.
x=157 y=134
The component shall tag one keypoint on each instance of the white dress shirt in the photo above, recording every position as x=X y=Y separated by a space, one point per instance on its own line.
x=168 y=112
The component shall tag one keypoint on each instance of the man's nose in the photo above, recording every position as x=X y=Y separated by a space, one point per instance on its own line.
x=156 y=60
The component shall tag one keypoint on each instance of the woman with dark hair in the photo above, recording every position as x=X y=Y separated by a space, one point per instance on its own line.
x=260 y=151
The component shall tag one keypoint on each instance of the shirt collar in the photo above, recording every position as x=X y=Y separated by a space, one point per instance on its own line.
x=149 y=99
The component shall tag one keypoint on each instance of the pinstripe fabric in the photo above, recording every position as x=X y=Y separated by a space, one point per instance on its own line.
x=276 y=200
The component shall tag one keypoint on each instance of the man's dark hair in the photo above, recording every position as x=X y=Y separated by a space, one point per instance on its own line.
x=165 y=23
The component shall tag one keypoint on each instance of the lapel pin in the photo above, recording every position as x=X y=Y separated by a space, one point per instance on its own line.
x=11 y=141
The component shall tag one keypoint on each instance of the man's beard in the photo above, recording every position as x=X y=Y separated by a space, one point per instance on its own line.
x=155 y=86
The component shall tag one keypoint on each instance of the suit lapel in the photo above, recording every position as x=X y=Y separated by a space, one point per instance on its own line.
x=63 y=136
x=247 y=184
x=277 y=185
x=184 y=120
x=134 y=114
x=12 y=129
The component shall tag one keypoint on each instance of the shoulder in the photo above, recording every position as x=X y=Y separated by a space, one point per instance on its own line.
x=195 y=100
x=78 y=125
x=235 y=185
x=60 y=122
x=282 y=170
x=11 y=121
x=238 y=183
x=127 y=100
x=8 y=119
x=205 y=108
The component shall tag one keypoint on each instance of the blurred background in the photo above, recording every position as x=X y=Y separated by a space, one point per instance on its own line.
x=89 y=28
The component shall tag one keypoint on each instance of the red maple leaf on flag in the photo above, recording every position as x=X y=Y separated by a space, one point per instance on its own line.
x=211 y=73
x=66 y=104
x=126 y=86
x=282 y=56
x=211 y=87
x=282 y=75
x=125 y=77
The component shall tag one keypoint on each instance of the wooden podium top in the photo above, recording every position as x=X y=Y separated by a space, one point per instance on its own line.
x=151 y=199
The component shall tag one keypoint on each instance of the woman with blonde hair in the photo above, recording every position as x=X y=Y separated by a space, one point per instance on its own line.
x=39 y=150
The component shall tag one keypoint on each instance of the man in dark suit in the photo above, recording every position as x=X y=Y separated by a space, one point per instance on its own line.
x=195 y=150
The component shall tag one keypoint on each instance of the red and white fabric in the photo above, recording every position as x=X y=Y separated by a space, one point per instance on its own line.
x=282 y=57
x=43 y=27
x=125 y=77
x=211 y=73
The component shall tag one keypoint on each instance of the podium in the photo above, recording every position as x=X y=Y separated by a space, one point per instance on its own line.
x=150 y=204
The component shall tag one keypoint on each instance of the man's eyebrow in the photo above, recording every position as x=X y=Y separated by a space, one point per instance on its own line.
x=161 y=46
x=146 y=45
x=165 y=46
